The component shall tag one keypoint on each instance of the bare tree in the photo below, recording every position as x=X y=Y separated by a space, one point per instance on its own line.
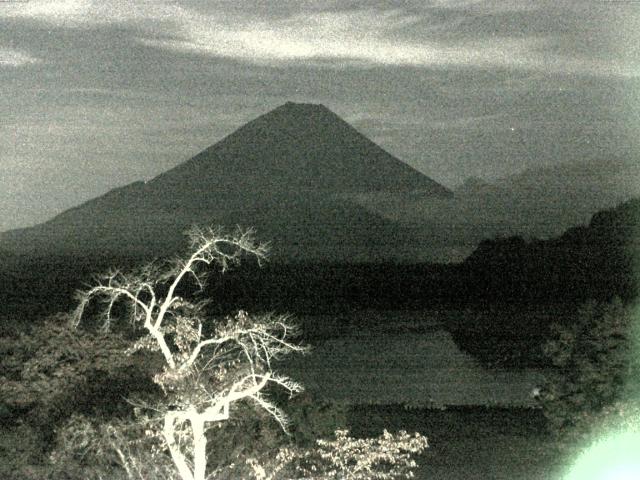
x=207 y=367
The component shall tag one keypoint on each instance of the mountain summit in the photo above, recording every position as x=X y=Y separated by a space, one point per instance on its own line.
x=301 y=146
x=293 y=173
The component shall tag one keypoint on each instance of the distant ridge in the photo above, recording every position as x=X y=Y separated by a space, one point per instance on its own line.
x=290 y=173
x=539 y=202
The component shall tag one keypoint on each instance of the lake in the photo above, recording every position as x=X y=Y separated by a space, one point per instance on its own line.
x=407 y=359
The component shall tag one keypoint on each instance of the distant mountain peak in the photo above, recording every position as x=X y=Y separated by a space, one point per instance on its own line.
x=312 y=113
x=297 y=108
x=292 y=173
x=296 y=115
x=303 y=106
x=301 y=146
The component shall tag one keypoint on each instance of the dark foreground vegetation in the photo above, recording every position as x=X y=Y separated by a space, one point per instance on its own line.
x=566 y=304
x=471 y=442
x=139 y=382
x=60 y=379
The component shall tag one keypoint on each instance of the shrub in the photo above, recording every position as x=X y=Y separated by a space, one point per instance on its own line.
x=595 y=366
x=387 y=457
x=117 y=449
x=55 y=370
x=21 y=453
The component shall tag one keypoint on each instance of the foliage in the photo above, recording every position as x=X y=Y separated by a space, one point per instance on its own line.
x=94 y=449
x=312 y=419
x=209 y=367
x=55 y=366
x=216 y=401
x=126 y=448
x=253 y=434
x=594 y=364
x=21 y=451
x=386 y=457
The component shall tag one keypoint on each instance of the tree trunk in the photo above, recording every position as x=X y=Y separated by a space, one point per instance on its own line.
x=199 y=448
x=178 y=459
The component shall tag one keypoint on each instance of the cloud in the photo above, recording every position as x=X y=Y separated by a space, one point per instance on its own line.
x=52 y=11
x=486 y=6
x=417 y=36
x=14 y=58
x=83 y=13
x=357 y=36
x=587 y=66
x=371 y=37
x=347 y=37
x=498 y=120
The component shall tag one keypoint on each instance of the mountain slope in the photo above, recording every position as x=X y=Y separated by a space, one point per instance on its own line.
x=290 y=173
x=294 y=147
x=538 y=203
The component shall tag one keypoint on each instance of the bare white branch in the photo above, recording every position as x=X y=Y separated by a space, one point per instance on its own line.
x=205 y=373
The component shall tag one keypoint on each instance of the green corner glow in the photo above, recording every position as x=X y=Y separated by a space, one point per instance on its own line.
x=616 y=457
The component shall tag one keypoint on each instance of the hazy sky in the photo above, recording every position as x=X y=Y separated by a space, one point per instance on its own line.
x=97 y=94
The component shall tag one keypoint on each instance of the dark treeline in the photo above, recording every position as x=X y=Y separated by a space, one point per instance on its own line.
x=588 y=262
x=528 y=286
x=597 y=261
